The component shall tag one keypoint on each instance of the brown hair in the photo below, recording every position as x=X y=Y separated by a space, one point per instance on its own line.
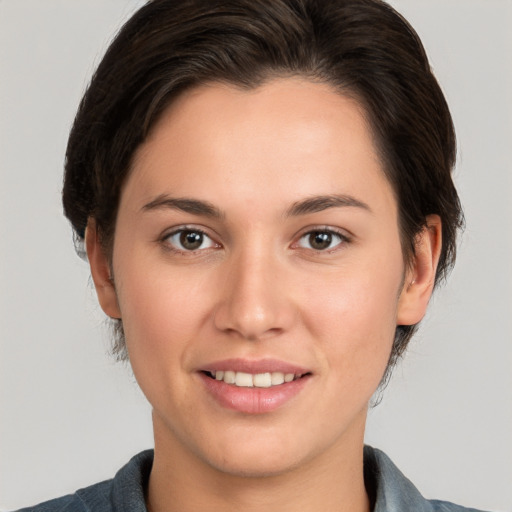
x=363 y=48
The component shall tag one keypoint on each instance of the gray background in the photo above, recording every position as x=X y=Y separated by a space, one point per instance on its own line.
x=70 y=416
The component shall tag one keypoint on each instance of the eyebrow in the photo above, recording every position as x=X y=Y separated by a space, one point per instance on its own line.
x=319 y=203
x=204 y=208
x=193 y=206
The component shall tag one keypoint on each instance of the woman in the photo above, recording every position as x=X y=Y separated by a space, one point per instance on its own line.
x=265 y=197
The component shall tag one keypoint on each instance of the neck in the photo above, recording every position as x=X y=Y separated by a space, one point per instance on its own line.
x=333 y=481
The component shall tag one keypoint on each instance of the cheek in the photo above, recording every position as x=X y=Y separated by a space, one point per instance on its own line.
x=160 y=309
x=163 y=314
x=354 y=315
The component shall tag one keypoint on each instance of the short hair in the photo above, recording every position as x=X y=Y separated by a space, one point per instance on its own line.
x=362 y=48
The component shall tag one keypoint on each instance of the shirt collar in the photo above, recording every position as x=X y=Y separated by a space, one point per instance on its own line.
x=391 y=490
x=388 y=488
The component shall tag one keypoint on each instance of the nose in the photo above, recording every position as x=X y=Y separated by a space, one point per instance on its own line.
x=255 y=301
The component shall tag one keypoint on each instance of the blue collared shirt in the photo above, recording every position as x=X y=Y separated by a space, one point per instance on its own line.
x=390 y=490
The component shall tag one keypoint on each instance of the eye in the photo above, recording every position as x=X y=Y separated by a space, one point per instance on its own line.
x=190 y=240
x=321 y=240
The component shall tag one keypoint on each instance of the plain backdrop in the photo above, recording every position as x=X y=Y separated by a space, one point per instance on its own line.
x=70 y=416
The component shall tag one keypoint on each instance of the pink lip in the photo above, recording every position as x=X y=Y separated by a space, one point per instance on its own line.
x=257 y=366
x=253 y=400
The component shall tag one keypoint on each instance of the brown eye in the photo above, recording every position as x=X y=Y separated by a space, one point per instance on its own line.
x=321 y=240
x=190 y=240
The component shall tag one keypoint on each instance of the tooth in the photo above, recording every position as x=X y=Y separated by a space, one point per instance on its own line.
x=277 y=378
x=262 y=380
x=229 y=377
x=244 y=380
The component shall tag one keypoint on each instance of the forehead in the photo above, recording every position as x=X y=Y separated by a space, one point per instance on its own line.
x=290 y=137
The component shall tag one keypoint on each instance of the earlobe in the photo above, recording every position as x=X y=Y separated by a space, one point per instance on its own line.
x=100 y=271
x=420 y=277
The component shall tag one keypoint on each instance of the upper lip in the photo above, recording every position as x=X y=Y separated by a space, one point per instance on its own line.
x=255 y=366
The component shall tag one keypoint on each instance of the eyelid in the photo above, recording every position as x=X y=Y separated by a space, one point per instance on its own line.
x=164 y=238
x=345 y=237
x=344 y=233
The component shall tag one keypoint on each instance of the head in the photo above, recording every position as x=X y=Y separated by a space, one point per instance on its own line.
x=362 y=49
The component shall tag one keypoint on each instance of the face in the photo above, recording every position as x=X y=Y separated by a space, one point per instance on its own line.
x=259 y=275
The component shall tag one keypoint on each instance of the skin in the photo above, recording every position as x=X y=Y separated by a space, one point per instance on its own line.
x=257 y=289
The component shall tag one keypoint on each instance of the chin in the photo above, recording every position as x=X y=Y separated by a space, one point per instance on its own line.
x=261 y=455
x=254 y=466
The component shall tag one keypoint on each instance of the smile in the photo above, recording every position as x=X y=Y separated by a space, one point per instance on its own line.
x=253 y=387
x=249 y=380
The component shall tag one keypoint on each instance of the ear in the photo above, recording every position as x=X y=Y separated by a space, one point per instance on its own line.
x=100 y=271
x=420 y=276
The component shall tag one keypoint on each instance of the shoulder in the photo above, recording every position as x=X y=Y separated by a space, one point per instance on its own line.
x=446 y=506
x=124 y=492
x=93 y=498
x=393 y=491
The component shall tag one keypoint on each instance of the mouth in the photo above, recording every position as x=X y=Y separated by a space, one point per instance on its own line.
x=256 y=380
x=254 y=387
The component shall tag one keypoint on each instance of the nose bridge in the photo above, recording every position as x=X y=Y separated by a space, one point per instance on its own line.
x=253 y=302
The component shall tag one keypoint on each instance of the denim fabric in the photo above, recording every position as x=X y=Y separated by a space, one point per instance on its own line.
x=124 y=493
x=393 y=492
x=389 y=489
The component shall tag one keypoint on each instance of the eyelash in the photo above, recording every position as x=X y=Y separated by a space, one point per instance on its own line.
x=343 y=239
x=166 y=239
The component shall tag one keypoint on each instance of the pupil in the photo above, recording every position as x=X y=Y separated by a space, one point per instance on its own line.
x=320 y=240
x=191 y=240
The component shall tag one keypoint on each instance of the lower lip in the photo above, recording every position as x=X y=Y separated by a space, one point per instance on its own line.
x=253 y=400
